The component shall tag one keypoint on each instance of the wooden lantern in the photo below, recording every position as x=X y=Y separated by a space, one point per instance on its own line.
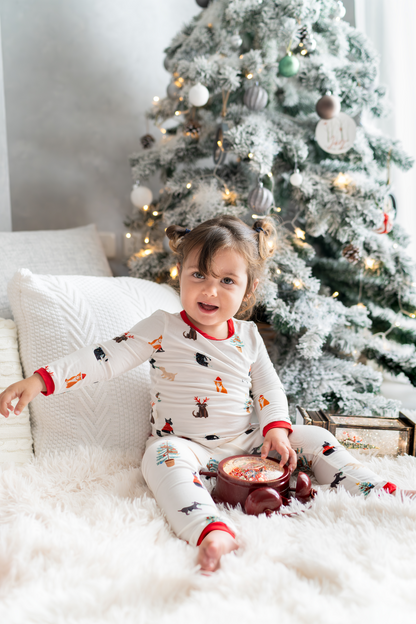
x=380 y=436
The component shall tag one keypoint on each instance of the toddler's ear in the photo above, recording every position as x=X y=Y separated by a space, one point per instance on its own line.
x=255 y=284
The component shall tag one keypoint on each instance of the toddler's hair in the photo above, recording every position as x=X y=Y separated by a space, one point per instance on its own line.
x=255 y=245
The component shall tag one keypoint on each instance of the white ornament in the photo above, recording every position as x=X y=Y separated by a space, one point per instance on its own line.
x=336 y=135
x=141 y=196
x=340 y=10
x=198 y=95
x=296 y=178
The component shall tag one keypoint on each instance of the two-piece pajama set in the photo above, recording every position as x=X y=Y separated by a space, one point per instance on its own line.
x=204 y=394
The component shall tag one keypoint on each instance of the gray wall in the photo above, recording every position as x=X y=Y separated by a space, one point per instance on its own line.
x=5 y=210
x=79 y=76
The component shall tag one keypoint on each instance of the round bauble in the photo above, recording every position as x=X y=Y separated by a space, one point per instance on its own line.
x=236 y=41
x=336 y=135
x=173 y=91
x=221 y=145
x=328 y=106
x=340 y=11
x=203 y=3
x=141 y=196
x=260 y=199
x=289 y=66
x=147 y=141
x=255 y=98
x=198 y=95
x=166 y=63
x=296 y=178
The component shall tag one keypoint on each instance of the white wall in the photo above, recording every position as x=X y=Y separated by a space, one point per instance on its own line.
x=5 y=210
x=79 y=76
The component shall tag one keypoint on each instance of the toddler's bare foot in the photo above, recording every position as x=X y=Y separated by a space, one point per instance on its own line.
x=213 y=547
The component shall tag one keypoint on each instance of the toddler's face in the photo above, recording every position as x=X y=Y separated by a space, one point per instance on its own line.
x=210 y=301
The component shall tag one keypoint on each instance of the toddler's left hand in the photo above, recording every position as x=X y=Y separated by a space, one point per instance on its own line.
x=277 y=439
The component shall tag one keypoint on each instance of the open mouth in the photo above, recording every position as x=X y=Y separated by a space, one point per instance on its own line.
x=206 y=307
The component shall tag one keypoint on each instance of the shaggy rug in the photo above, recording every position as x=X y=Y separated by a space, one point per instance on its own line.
x=83 y=541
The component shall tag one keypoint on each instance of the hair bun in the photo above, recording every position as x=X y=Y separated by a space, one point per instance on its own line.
x=175 y=234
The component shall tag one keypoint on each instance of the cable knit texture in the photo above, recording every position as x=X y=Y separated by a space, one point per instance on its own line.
x=56 y=315
x=76 y=251
x=15 y=436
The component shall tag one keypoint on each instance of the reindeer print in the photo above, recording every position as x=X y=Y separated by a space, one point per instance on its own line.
x=263 y=402
x=202 y=359
x=337 y=479
x=152 y=362
x=237 y=342
x=219 y=385
x=75 y=379
x=191 y=335
x=202 y=408
x=123 y=337
x=157 y=344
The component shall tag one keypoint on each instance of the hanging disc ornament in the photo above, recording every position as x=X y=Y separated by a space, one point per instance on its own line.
x=141 y=196
x=296 y=178
x=351 y=253
x=198 y=95
x=289 y=65
x=147 y=140
x=328 y=106
x=173 y=91
x=260 y=199
x=221 y=145
x=203 y=3
x=192 y=128
x=336 y=135
x=255 y=98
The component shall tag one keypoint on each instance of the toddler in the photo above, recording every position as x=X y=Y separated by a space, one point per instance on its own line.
x=210 y=372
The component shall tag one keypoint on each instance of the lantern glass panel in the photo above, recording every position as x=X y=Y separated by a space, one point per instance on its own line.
x=377 y=441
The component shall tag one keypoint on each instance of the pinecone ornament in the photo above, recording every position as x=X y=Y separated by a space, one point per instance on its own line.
x=147 y=140
x=351 y=253
x=192 y=128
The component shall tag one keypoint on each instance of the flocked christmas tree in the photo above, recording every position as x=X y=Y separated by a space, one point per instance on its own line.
x=264 y=116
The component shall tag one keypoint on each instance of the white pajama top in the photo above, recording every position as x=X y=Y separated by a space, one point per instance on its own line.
x=201 y=388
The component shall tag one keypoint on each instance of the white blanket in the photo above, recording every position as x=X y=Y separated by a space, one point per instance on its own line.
x=82 y=540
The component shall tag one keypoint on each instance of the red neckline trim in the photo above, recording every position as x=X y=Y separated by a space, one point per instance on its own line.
x=230 y=324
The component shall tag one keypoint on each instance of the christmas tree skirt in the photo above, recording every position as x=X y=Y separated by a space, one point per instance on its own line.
x=82 y=540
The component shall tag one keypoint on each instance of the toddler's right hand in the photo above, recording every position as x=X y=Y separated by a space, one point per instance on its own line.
x=25 y=390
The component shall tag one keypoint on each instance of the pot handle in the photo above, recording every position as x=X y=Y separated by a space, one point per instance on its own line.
x=208 y=473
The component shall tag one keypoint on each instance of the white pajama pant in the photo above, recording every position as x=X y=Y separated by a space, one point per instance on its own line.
x=171 y=466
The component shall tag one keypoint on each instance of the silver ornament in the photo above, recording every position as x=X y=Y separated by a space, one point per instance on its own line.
x=255 y=98
x=260 y=199
x=173 y=91
x=236 y=41
x=221 y=145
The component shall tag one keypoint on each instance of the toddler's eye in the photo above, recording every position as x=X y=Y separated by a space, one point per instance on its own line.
x=228 y=280
x=197 y=275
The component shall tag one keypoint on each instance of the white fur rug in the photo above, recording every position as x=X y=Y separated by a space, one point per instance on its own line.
x=82 y=541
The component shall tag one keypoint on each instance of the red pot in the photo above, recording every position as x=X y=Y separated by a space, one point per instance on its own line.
x=263 y=474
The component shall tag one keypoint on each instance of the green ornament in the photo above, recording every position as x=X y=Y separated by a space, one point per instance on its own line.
x=289 y=66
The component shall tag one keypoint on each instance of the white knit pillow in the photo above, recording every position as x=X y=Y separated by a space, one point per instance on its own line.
x=56 y=315
x=77 y=251
x=15 y=437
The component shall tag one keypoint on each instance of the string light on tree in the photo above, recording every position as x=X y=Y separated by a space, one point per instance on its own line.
x=300 y=233
x=342 y=181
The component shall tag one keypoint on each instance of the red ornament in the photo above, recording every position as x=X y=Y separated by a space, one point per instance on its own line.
x=387 y=224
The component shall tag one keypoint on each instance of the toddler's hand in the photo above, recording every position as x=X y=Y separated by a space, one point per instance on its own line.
x=277 y=439
x=24 y=390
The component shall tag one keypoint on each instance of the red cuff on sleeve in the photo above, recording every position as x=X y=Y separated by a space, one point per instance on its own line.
x=49 y=382
x=277 y=424
x=390 y=488
x=214 y=526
